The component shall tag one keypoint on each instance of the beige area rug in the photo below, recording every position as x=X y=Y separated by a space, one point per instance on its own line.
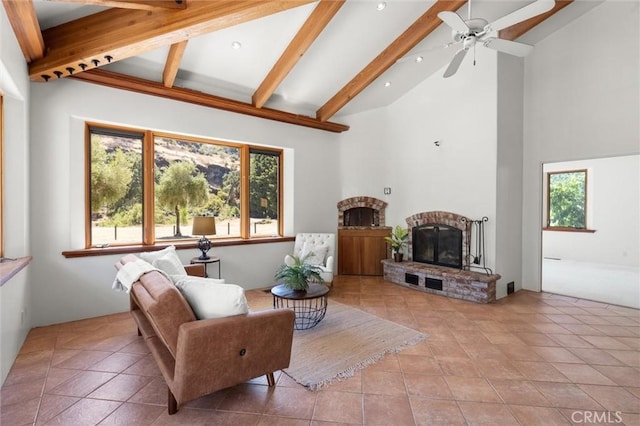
x=345 y=341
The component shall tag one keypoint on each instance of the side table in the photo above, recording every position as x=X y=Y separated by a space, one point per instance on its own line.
x=310 y=306
x=211 y=259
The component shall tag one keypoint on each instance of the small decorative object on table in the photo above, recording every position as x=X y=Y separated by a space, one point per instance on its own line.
x=309 y=301
x=204 y=225
x=296 y=274
x=398 y=241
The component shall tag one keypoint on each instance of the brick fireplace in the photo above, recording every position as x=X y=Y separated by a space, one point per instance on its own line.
x=432 y=276
x=353 y=212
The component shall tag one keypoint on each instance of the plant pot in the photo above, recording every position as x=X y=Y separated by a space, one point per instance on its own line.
x=397 y=257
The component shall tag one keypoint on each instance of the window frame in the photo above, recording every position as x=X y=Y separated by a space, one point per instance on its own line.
x=548 y=226
x=148 y=190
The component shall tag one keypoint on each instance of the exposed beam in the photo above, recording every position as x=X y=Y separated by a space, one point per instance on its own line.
x=116 y=34
x=23 y=19
x=311 y=29
x=421 y=28
x=134 y=4
x=147 y=87
x=515 y=31
x=173 y=63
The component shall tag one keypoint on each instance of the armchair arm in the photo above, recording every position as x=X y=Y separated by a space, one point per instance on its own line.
x=196 y=270
x=329 y=264
x=217 y=353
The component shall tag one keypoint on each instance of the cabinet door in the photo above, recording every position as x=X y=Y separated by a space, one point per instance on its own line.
x=374 y=249
x=349 y=255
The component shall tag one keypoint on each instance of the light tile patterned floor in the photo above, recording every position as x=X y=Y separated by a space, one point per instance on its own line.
x=529 y=359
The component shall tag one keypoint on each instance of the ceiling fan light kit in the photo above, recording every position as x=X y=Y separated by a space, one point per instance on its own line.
x=472 y=31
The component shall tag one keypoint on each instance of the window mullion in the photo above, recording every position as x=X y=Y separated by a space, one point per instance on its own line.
x=245 y=217
x=148 y=205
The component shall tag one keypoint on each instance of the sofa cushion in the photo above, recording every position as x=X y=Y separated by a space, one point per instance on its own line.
x=166 y=260
x=211 y=299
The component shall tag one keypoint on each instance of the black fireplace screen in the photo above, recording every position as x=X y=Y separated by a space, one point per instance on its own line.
x=437 y=244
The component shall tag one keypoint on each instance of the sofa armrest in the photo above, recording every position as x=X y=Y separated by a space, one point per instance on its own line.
x=217 y=353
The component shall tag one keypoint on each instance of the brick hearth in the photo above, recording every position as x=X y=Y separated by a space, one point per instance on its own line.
x=457 y=283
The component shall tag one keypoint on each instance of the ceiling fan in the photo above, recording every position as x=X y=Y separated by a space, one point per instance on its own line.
x=474 y=31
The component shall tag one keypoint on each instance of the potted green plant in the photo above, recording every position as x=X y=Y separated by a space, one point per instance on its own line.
x=398 y=241
x=295 y=274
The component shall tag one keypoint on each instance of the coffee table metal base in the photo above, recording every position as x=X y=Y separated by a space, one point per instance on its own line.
x=309 y=306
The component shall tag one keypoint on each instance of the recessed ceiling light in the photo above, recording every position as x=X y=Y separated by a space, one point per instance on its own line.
x=419 y=59
x=381 y=5
x=387 y=83
x=236 y=45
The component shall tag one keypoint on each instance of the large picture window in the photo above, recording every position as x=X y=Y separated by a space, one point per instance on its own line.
x=147 y=187
x=567 y=199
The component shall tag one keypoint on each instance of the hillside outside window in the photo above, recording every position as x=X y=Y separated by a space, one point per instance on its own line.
x=146 y=187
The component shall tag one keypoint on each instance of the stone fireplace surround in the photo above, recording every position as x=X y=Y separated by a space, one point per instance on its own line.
x=457 y=283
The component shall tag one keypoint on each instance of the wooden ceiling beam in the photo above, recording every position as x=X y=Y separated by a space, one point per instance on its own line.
x=23 y=19
x=134 y=4
x=147 y=87
x=421 y=28
x=116 y=34
x=311 y=29
x=515 y=31
x=173 y=63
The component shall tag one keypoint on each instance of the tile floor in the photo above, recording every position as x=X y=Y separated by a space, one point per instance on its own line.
x=529 y=359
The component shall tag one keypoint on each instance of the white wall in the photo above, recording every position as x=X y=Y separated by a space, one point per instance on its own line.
x=14 y=294
x=394 y=147
x=581 y=101
x=509 y=172
x=69 y=289
x=613 y=211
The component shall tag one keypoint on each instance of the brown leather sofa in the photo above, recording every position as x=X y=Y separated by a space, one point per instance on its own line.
x=198 y=357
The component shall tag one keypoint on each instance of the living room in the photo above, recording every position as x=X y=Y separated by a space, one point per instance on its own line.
x=575 y=97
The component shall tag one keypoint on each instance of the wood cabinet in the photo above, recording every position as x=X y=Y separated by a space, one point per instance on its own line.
x=361 y=250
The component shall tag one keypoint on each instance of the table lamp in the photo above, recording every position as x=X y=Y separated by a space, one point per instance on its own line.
x=204 y=225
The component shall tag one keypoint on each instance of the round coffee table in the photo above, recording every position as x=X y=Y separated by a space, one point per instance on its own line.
x=310 y=306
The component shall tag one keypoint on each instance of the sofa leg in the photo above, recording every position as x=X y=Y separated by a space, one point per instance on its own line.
x=172 y=404
x=271 y=380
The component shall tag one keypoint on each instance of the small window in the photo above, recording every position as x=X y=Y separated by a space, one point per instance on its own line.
x=567 y=199
x=264 y=192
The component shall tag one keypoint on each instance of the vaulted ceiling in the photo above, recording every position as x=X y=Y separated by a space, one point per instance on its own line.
x=302 y=62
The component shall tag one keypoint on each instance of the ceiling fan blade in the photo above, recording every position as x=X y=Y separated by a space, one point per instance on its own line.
x=455 y=63
x=507 y=46
x=454 y=20
x=529 y=11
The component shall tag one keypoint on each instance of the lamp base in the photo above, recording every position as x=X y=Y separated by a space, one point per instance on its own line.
x=204 y=245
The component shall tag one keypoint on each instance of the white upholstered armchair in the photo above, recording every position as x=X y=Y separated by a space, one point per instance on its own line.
x=323 y=247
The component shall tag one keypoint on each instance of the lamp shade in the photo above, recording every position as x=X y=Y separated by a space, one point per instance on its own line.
x=204 y=225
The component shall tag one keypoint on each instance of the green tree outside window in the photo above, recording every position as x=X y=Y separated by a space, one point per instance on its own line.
x=567 y=199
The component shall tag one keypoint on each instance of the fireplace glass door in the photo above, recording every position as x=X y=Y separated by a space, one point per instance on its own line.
x=437 y=244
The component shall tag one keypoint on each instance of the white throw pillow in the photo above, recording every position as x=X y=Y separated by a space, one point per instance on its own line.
x=210 y=299
x=166 y=260
x=314 y=255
